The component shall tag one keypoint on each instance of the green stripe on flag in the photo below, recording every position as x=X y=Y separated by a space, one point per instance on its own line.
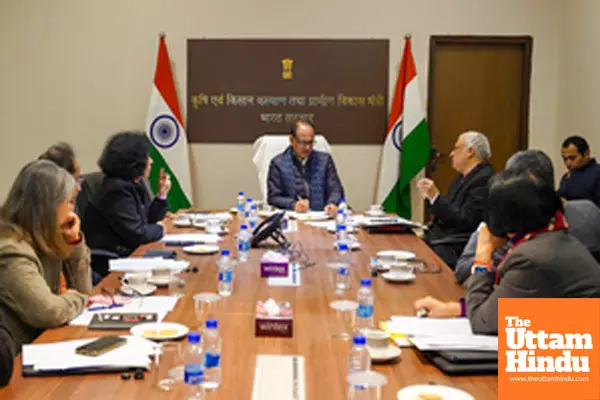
x=176 y=197
x=416 y=148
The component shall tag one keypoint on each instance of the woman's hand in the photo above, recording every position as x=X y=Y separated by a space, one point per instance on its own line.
x=438 y=309
x=71 y=228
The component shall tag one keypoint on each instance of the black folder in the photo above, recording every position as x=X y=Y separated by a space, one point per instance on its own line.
x=464 y=362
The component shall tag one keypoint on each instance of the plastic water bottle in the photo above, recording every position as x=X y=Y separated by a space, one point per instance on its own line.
x=243 y=244
x=340 y=234
x=212 y=344
x=359 y=359
x=365 y=306
x=194 y=367
x=225 y=274
x=343 y=207
x=340 y=218
x=253 y=220
x=344 y=264
x=241 y=203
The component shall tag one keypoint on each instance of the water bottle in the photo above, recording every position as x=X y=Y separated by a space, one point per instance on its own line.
x=340 y=234
x=225 y=274
x=365 y=306
x=194 y=367
x=212 y=351
x=249 y=203
x=253 y=220
x=243 y=243
x=344 y=263
x=359 y=356
x=241 y=203
x=343 y=207
x=340 y=218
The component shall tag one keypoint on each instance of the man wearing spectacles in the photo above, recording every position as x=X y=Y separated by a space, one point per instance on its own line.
x=582 y=179
x=301 y=178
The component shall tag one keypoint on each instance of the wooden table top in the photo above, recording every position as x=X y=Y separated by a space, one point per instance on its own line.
x=326 y=358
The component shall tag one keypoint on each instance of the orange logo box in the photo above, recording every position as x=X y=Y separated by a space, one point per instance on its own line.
x=549 y=349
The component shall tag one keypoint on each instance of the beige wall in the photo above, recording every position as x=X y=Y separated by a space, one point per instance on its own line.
x=81 y=70
x=579 y=74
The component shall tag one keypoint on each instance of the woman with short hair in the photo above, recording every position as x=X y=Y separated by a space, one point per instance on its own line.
x=543 y=259
x=121 y=216
x=45 y=277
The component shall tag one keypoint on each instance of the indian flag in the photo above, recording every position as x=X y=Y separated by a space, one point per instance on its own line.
x=407 y=147
x=164 y=127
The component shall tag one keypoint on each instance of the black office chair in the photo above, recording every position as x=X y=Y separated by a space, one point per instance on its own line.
x=91 y=183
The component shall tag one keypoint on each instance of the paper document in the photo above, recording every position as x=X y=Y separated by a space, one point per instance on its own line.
x=184 y=239
x=278 y=377
x=61 y=355
x=142 y=264
x=441 y=341
x=292 y=280
x=160 y=305
x=310 y=216
x=382 y=221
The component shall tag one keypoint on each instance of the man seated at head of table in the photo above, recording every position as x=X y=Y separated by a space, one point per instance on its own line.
x=543 y=261
x=459 y=213
x=121 y=216
x=45 y=275
x=582 y=179
x=583 y=217
x=303 y=179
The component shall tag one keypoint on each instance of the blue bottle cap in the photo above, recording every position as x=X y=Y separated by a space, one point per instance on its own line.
x=365 y=282
x=341 y=227
x=360 y=340
x=253 y=207
x=340 y=211
x=193 y=337
x=343 y=246
x=225 y=252
x=240 y=193
x=211 y=324
x=244 y=227
x=249 y=199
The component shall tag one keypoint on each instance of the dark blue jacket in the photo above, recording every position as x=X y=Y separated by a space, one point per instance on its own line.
x=318 y=181
x=120 y=217
x=582 y=183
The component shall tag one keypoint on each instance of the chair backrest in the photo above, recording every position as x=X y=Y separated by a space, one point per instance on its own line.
x=268 y=146
x=90 y=183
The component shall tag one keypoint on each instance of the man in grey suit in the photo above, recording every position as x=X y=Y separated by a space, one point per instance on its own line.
x=582 y=216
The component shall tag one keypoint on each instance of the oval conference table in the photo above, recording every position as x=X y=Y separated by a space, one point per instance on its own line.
x=325 y=357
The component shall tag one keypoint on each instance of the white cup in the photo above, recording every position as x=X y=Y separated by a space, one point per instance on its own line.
x=376 y=208
x=376 y=338
x=401 y=268
x=213 y=226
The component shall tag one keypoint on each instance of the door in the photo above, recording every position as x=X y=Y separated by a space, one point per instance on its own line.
x=478 y=83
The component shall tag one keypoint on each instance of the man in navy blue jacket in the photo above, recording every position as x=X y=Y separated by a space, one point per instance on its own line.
x=303 y=179
x=582 y=180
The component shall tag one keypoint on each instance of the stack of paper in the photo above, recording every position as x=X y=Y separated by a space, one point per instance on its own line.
x=187 y=239
x=292 y=280
x=310 y=216
x=61 y=356
x=439 y=334
x=141 y=264
x=279 y=377
x=382 y=221
x=161 y=305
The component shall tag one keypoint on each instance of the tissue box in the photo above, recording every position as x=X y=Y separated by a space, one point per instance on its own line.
x=274 y=265
x=281 y=325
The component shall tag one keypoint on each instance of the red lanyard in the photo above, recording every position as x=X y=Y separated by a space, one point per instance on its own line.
x=558 y=223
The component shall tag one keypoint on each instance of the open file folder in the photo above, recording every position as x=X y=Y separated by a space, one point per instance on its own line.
x=59 y=358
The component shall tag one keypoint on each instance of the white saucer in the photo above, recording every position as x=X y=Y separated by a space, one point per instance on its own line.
x=265 y=213
x=182 y=223
x=396 y=255
x=159 y=280
x=140 y=290
x=388 y=276
x=199 y=224
x=160 y=330
x=233 y=210
x=382 y=354
x=375 y=213
x=419 y=392
x=201 y=249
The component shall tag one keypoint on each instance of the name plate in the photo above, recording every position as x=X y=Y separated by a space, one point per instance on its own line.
x=272 y=269
x=274 y=327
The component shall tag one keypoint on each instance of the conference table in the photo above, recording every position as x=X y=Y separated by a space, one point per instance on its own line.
x=325 y=357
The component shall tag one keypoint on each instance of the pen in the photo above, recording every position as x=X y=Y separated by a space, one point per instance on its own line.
x=99 y=308
x=422 y=313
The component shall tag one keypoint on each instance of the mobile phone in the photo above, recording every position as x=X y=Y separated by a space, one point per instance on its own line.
x=100 y=346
